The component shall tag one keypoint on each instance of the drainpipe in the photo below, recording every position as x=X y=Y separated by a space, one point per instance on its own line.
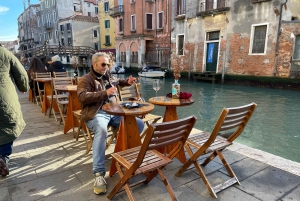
x=277 y=39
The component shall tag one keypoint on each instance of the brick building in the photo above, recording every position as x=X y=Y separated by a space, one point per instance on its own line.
x=255 y=37
x=142 y=30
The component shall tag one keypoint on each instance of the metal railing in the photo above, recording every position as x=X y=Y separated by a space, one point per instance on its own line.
x=59 y=50
x=116 y=11
x=208 y=5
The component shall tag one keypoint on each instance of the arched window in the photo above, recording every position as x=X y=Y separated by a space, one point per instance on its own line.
x=54 y=16
x=38 y=21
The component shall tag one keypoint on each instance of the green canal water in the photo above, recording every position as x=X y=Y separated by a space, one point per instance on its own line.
x=274 y=126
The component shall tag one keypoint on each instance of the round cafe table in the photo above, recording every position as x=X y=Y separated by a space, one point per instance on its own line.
x=171 y=114
x=128 y=135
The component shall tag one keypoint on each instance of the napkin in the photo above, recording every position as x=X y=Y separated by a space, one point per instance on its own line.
x=182 y=95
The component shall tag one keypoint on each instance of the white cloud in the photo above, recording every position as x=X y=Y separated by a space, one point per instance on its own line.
x=3 y=9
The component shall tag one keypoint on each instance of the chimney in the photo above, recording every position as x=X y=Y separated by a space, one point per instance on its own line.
x=24 y=3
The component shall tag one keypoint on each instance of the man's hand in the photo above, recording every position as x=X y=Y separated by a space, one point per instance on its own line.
x=131 y=80
x=111 y=91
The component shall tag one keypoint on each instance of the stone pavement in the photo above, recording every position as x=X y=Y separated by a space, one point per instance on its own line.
x=49 y=165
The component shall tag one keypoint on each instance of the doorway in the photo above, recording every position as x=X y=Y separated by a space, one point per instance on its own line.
x=212 y=51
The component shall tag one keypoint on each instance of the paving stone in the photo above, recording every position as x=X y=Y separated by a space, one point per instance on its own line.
x=44 y=186
x=272 y=184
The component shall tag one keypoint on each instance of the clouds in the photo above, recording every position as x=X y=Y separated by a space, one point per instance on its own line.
x=3 y=10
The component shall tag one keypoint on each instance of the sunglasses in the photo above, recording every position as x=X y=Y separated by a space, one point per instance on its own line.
x=105 y=64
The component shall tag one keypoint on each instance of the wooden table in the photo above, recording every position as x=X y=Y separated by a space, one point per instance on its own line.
x=128 y=136
x=73 y=104
x=47 y=92
x=171 y=114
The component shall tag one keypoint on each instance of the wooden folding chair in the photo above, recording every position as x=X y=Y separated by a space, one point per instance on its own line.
x=147 y=160
x=132 y=93
x=232 y=121
x=89 y=136
x=39 y=99
x=60 y=74
x=60 y=97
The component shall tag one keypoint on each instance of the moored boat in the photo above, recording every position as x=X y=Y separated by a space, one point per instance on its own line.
x=152 y=71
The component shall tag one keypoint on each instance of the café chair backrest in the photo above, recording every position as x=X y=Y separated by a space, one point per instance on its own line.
x=147 y=159
x=230 y=125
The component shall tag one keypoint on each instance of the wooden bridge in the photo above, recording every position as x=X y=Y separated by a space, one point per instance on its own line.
x=51 y=50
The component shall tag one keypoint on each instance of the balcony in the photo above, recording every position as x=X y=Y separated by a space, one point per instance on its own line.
x=259 y=1
x=180 y=14
x=116 y=11
x=211 y=8
x=48 y=26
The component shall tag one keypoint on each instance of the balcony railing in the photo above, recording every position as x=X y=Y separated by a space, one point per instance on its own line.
x=48 y=25
x=210 y=7
x=259 y=1
x=116 y=11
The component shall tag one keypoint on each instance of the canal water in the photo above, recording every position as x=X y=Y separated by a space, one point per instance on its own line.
x=274 y=126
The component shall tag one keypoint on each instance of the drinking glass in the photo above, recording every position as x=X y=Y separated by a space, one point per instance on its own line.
x=156 y=87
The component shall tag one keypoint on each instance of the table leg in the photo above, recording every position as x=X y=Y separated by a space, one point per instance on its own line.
x=47 y=91
x=73 y=105
x=170 y=115
x=128 y=137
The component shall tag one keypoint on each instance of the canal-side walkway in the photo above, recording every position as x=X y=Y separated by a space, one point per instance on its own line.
x=49 y=165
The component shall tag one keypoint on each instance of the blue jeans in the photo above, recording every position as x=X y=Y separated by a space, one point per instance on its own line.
x=5 y=151
x=99 y=126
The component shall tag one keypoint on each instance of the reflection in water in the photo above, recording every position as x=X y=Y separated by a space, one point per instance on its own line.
x=274 y=126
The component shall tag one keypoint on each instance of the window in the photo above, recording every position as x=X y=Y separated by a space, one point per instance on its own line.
x=180 y=7
x=56 y=34
x=215 y=35
x=123 y=57
x=134 y=57
x=180 y=41
x=63 y=42
x=54 y=16
x=149 y=21
x=68 y=26
x=96 y=10
x=61 y=27
x=121 y=25
x=297 y=48
x=95 y=33
x=107 y=24
x=38 y=21
x=132 y=22
x=69 y=41
x=44 y=36
x=107 y=40
x=132 y=1
x=43 y=21
x=258 y=39
x=96 y=46
x=88 y=5
x=160 y=18
x=106 y=6
x=40 y=37
x=49 y=35
x=89 y=14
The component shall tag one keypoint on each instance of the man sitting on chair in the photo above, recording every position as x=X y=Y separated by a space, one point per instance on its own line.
x=93 y=91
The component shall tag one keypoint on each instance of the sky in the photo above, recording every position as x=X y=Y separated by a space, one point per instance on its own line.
x=10 y=10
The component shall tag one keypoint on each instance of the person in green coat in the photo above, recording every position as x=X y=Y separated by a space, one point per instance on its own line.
x=12 y=73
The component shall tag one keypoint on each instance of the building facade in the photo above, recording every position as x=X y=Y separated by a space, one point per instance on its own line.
x=28 y=27
x=107 y=27
x=255 y=37
x=143 y=30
